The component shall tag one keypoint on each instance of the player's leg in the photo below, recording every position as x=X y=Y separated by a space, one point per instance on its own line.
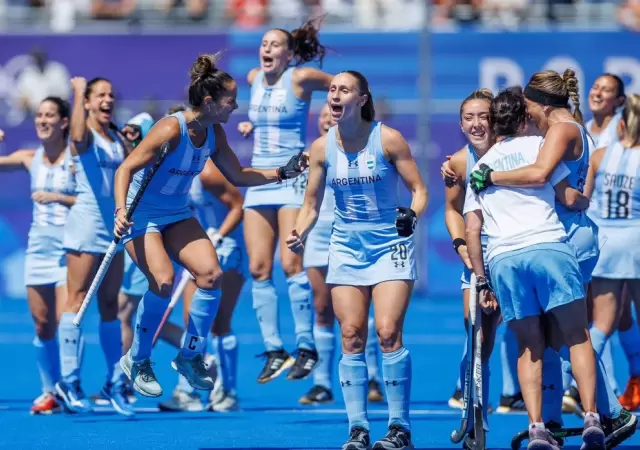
x=301 y=298
x=372 y=355
x=629 y=335
x=260 y=231
x=351 y=306
x=457 y=400
x=81 y=268
x=390 y=303
x=149 y=254
x=193 y=248
x=323 y=333
x=184 y=397
x=111 y=336
x=42 y=304
x=225 y=344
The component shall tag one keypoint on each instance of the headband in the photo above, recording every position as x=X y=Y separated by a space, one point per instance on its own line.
x=557 y=101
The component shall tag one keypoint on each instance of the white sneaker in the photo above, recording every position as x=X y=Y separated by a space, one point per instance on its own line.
x=227 y=401
x=182 y=401
x=142 y=375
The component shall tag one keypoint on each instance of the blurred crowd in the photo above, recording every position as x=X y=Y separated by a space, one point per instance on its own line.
x=69 y=15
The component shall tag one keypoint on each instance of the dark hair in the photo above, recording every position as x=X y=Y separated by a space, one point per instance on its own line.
x=508 y=112
x=368 y=111
x=206 y=79
x=64 y=110
x=619 y=83
x=480 y=94
x=305 y=43
x=176 y=108
x=90 y=84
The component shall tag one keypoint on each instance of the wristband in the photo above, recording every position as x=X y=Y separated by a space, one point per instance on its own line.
x=457 y=242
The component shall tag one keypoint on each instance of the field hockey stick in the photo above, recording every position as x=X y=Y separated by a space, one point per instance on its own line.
x=111 y=252
x=184 y=279
x=459 y=434
x=478 y=417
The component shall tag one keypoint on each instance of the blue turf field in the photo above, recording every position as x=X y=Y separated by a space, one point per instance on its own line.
x=270 y=418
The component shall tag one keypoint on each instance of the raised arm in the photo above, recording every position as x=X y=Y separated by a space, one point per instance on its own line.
x=400 y=155
x=559 y=137
x=227 y=161
x=454 y=203
x=314 y=193
x=18 y=160
x=309 y=79
x=215 y=183
x=79 y=133
x=594 y=165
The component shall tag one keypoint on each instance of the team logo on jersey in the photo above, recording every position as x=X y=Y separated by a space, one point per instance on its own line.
x=371 y=161
x=353 y=164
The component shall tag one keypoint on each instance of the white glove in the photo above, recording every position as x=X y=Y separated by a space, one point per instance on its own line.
x=216 y=238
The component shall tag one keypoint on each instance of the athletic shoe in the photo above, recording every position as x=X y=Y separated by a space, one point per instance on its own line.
x=142 y=375
x=358 y=440
x=511 y=403
x=396 y=439
x=277 y=362
x=46 y=404
x=306 y=361
x=182 y=401
x=571 y=402
x=317 y=395
x=225 y=402
x=74 y=398
x=551 y=426
x=541 y=439
x=116 y=395
x=456 y=401
x=593 y=434
x=194 y=370
x=375 y=393
x=99 y=399
x=619 y=429
x=130 y=393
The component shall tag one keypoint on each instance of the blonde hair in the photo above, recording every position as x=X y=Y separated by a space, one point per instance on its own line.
x=566 y=85
x=631 y=117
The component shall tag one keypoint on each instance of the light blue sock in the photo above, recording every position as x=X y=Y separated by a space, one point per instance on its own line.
x=70 y=348
x=148 y=317
x=607 y=402
x=326 y=346
x=552 y=391
x=396 y=372
x=459 y=382
x=183 y=384
x=371 y=350
x=111 y=342
x=630 y=341
x=228 y=361
x=599 y=341
x=204 y=307
x=607 y=360
x=354 y=381
x=301 y=297
x=567 y=374
x=265 y=303
x=509 y=353
x=48 y=360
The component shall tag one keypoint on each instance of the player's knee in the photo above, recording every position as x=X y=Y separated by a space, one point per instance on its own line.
x=352 y=338
x=108 y=310
x=291 y=264
x=260 y=269
x=209 y=277
x=389 y=337
x=45 y=329
x=162 y=282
